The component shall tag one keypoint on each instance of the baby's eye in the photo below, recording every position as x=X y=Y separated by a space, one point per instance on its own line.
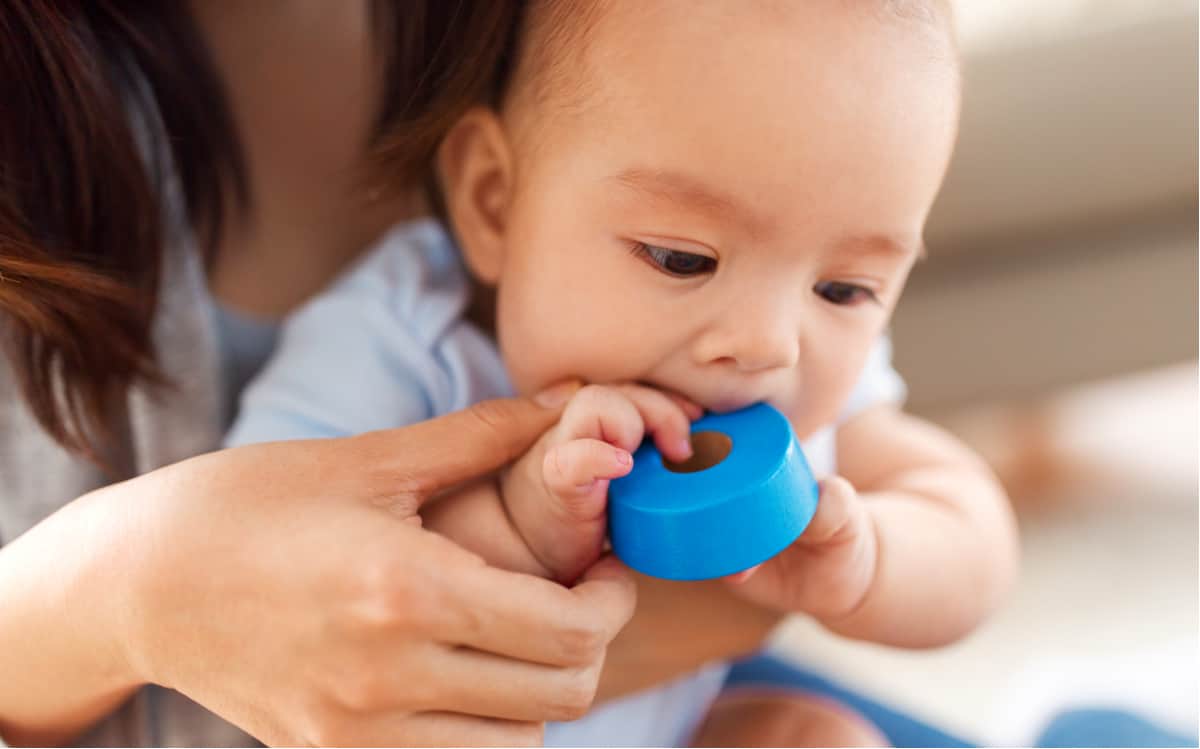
x=675 y=263
x=846 y=294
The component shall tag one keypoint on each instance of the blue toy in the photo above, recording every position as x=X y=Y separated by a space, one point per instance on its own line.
x=743 y=497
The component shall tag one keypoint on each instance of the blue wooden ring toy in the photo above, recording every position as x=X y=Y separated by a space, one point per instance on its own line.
x=719 y=520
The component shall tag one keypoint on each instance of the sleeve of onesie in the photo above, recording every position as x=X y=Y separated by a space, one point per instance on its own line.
x=385 y=346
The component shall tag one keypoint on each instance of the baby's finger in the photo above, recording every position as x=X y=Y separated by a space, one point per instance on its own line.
x=835 y=509
x=692 y=409
x=664 y=418
x=604 y=413
x=574 y=467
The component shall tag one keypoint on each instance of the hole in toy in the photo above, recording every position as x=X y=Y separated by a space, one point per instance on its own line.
x=708 y=449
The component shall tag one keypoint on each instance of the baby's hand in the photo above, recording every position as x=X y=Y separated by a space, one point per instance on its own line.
x=556 y=494
x=828 y=570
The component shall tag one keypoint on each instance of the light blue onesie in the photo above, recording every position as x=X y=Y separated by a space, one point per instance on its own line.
x=386 y=345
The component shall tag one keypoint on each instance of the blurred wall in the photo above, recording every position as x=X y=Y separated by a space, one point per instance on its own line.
x=1063 y=247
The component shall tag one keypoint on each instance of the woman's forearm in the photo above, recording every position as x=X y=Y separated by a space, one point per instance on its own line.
x=62 y=663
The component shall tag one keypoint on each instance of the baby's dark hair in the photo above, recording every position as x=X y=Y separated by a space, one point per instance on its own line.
x=443 y=57
x=440 y=58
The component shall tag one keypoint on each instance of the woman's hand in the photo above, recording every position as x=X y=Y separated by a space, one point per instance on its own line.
x=285 y=598
x=288 y=588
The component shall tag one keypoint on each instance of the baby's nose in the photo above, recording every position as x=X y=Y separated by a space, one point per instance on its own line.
x=763 y=351
x=752 y=345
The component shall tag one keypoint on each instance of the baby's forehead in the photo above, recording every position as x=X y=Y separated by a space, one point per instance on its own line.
x=728 y=98
x=563 y=47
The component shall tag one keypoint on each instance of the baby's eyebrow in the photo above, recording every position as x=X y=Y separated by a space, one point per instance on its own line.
x=693 y=193
x=882 y=244
x=689 y=192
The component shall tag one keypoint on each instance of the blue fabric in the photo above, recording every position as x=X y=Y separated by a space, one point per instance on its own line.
x=1093 y=727
x=767 y=671
x=386 y=345
x=1104 y=727
x=245 y=343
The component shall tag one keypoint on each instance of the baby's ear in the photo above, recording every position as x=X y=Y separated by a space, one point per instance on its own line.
x=475 y=168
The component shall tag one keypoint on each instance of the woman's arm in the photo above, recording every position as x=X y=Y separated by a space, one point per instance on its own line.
x=65 y=588
x=285 y=587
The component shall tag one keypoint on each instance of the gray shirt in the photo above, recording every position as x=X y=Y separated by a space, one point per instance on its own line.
x=37 y=476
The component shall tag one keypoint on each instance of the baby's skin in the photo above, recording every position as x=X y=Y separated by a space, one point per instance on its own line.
x=702 y=209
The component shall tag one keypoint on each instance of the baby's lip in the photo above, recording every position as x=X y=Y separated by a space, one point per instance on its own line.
x=725 y=404
x=721 y=401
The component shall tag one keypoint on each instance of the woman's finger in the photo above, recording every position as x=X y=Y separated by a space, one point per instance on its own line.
x=455 y=729
x=479 y=683
x=433 y=729
x=525 y=617
x=436 y=454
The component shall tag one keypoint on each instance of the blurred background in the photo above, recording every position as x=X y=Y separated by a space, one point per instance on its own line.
x=1054 y=328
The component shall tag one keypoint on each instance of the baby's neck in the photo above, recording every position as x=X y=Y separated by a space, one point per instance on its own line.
x=481 y=310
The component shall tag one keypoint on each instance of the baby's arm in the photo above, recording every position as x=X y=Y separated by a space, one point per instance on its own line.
x=548 y=517
x=911 y=546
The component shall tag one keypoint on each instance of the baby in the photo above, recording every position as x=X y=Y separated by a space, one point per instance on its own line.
x=688 y=206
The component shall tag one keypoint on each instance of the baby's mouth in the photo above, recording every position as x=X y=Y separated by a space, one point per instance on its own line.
x=730 y=403
x=724 y=402
x=715 y=402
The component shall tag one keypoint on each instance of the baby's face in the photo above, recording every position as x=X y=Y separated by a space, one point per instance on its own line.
x=732 y=210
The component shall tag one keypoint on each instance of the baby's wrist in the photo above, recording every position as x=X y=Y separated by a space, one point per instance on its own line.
x=514 y=486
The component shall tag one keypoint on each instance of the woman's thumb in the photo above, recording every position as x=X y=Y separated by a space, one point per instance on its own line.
x=442 y=452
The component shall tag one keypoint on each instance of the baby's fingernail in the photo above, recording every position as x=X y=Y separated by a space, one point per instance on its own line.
x=684 y=446
x=553 y=397
x=624 y=458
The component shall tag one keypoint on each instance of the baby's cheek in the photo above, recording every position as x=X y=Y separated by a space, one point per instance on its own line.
x=540 y=352
x=822 y=401
x=547 y=357
x=528 y=370
x=808 y=421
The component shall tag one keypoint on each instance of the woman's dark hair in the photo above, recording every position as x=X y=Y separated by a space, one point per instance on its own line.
x=81 y=204
x=81 y=231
